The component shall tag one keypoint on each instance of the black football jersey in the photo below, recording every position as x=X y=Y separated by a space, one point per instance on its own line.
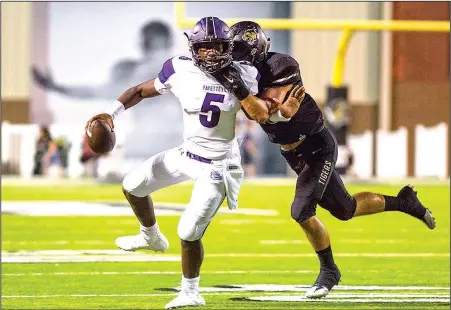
x=279 y=70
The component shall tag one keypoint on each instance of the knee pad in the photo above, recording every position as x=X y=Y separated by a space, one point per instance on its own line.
x=134 y=183
x=301 y=210
x=190 y=227
x=346 y=211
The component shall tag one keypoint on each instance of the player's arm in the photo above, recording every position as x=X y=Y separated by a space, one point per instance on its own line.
x=134 y=95
x=254 y=107
x=266 y=108
x=126 y=100
x=258 y=109
x=290 y=104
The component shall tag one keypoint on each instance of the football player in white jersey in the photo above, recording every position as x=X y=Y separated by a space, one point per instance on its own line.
x=209 y=155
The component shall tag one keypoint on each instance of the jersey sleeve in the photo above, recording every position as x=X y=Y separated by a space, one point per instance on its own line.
x=250 y=76
x=163 y=83
x=285 y=71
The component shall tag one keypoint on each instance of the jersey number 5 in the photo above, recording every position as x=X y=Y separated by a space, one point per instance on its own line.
x=207 y=106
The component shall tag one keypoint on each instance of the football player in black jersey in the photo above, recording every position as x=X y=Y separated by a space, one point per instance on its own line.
x=308 y=147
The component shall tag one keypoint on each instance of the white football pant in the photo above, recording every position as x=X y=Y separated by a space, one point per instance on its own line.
x=213 y=183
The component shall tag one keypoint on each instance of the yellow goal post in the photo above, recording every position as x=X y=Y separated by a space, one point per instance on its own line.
x=348 y=27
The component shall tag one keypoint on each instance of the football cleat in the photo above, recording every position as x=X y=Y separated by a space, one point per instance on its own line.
x=428 y=219
x=317 y=291
x=326 y=280
x=185 y=299
x=414 y=207
x=156 y=242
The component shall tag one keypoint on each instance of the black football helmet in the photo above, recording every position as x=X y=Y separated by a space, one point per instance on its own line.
x=250 y=42
x=213 y=34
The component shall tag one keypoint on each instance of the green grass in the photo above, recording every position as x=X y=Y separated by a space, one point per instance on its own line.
x=232 y=233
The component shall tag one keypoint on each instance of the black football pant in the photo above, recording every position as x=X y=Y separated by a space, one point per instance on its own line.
x=318 y=182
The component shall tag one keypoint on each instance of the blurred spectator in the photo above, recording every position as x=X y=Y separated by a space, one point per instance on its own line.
x=63 y=146
x=248 y=150
x=52 y=161
x=42 y=146
x=47 y=158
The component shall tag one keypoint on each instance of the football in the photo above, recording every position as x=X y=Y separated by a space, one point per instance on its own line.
x=101 y=139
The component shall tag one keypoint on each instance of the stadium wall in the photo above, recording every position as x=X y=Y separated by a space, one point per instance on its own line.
x=15 y=63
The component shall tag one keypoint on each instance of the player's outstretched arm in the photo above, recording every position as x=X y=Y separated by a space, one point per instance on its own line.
x=261 y=109
x=291 y=95
x=128 y=99
x=256 y=108
x=134 y=95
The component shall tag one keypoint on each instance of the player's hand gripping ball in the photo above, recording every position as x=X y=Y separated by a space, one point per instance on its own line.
x=100 y=134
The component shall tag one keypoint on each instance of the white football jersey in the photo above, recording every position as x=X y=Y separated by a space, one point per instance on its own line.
x=209 y=110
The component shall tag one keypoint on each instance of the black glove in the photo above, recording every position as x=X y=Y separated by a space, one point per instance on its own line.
x=230 y=78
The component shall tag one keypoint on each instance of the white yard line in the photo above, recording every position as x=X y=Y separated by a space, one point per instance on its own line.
x=141 y=253
x=273 y=255
x=355 y=298
x=108 y=208
x=57 y=242
x=391 y=294
x=55 y=256
x=99 y=295
x=47 y=256
x=353 y=241
x=303 y=287
x=88 y=259
x=83 y=273
x=156 y=272
x=396 y=299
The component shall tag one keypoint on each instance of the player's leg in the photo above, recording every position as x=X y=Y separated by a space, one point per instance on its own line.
x=142 y=207
x=406 y=201
x=312 y=181
x=159 y=171
x=343 y=206
x=208 y=195
x=303 y=211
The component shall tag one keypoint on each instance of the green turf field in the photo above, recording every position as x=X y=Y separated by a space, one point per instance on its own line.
x=379 y=255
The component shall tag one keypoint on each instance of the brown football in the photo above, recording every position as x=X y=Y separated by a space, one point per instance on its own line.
x=102 y=139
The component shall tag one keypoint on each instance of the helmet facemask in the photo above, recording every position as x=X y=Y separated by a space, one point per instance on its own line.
x=211 y=56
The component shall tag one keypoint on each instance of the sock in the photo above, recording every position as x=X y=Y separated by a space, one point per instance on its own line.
x=392 y=203
x=326 y=258
x=190 y=285
x=403 y=205
x=149 y=231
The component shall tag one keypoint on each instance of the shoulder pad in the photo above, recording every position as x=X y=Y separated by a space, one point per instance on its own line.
x=167 y=71
x=284 y=70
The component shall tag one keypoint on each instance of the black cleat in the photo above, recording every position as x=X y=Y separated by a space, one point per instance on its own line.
x=412 y=206
x=326 y=280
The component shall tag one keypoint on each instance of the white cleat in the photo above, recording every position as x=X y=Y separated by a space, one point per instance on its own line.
x=185 y=299
x=157 y=242
x=317 y=291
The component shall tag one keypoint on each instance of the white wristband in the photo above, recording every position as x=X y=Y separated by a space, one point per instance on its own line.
x=115 y=109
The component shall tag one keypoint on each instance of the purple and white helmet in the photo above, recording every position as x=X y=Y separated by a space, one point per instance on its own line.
x=211 y=33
